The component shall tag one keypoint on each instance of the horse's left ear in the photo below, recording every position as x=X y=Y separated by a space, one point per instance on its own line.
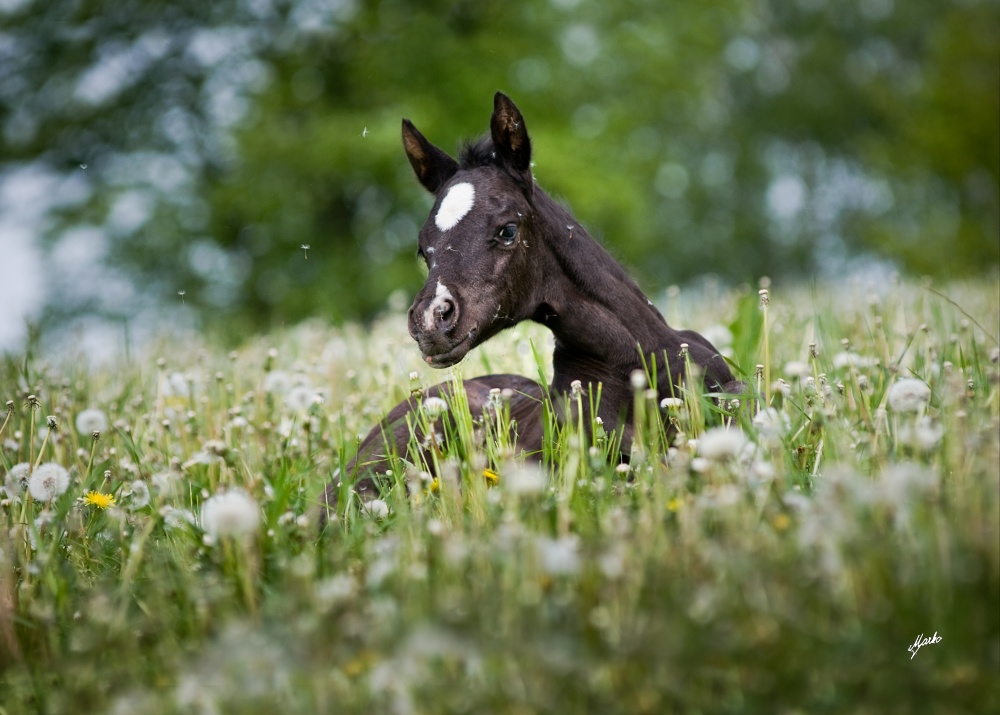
x=510 y=138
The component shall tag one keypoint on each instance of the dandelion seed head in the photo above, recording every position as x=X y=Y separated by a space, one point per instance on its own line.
x=797 y=370
x=376 y=509
x=909 y=395
x=300 y=398
x=771 y=425
x=558 y=557
x=923 y=435
x=720 y=444
x=277 y=382
x=174 y=518
x=525 y=478
x=16 y=480
x=434 y=407
x=638 y=379
x=232 y=513
x=139 y=495
x=48 y=481
x=846 y=358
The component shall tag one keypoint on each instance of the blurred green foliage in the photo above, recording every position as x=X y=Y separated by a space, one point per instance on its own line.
x=737 y=138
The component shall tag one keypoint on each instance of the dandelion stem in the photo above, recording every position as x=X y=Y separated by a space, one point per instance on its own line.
x=31 y=433
x=90 y=461
x=6 y=419
x=41 y=450
x=764 y=301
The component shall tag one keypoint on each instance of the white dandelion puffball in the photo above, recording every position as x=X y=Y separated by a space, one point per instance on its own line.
x=140 y=494
x=177 y=518
x=526 y=478
x=91 y=420
x=721 y=443
x=48 y=481
x=16 y=480
x=797 y=370
x=233 y=513
x=377 y=509
x=300 y=398
x=909 y=395
x=559 y=557
x=434 y=407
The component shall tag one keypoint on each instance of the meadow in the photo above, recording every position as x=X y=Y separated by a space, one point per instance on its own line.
x=161 y=548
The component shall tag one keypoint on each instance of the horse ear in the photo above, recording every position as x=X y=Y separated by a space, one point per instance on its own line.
x=510 y=137
x=432 y=166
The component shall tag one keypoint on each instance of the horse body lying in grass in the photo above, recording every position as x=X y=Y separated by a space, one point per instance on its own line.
x=499 y=251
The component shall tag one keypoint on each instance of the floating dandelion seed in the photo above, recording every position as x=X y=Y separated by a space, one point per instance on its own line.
x=101 y=501
x=364 y=132
x=48 y=481
x=182 y=293
x=305 y=250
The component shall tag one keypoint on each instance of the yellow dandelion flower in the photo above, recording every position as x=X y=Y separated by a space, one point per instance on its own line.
x=435 y=486
x=363 y=662
x=781 y=522
x=675 y=504
x=101 y=501
x=492 y=478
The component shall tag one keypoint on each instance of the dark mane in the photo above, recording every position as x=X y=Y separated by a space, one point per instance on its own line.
x=479 y=152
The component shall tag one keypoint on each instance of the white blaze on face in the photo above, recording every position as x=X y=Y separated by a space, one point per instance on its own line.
x=441 y=295
x=455 y=204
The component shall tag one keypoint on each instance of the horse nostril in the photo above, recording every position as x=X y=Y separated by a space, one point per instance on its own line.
x=444 y=310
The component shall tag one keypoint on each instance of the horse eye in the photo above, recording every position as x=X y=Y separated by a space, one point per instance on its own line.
x=508 y=233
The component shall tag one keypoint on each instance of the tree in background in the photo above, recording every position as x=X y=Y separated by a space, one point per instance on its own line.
x=197 y=147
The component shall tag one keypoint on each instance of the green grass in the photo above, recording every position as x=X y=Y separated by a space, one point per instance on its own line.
x=783 y=566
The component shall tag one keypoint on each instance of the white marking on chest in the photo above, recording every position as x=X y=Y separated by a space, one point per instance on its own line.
x=455 y=204
x=441 y=296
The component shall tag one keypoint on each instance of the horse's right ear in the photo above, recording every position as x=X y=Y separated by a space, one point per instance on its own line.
x=432 y=166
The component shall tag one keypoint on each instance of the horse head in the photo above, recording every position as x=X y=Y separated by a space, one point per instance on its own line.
x=477 y=240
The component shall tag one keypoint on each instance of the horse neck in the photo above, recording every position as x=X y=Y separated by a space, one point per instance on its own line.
x=598 y=315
